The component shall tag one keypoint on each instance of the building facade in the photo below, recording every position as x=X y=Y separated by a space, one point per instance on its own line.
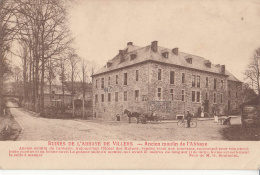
x=153 y=78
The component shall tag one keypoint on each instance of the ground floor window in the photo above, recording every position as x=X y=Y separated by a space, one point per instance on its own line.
x=159 y=93
x=116 y=96
x=171 y=91
x=125 y=95
x=96 y=98
x=136 y=94
x=193 y=96
x=221 y=98
x=215 y=98
x=102 y=98
x=198 y=96
x=109 y=97
x=182 y=95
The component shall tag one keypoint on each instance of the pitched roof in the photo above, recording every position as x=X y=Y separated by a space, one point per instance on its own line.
x=232 y=77
x=147 y=54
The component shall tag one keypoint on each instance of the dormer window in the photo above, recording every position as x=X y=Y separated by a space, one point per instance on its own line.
x=189 y=60
x=109 y=63
x=133 y=56
x=208 y=63
x=165 y=54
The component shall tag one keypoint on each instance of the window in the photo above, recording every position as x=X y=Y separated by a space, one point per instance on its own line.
x=183 y=77
x=125 y=78
x=215 y=83
x=222 y=84
x=96 y=98
x=221 y=98
x=136 y=75
x=159 y=74
x=198 y=81
x=206 y=96
x=193 y=96
x=193 y=80
x=109 y=97
x=229 y=93
x=215 y=98
x=102 y=83
x=171 y=77
x=171 y=94
x=108 y=81
x=52 y=96
x=159 y=93
x=125 y=95
x=102 y=98
x=165 y=54
x=236 y=94
x=96 y=83
x=182 y=95
x=198 y=96
x=116 y=79
x=136 y=94
x=116 y=96
x=207 y=81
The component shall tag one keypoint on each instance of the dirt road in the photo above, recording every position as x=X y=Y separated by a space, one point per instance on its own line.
x=36 y=128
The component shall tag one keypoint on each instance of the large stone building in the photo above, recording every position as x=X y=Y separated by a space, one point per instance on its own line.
x=171 y=82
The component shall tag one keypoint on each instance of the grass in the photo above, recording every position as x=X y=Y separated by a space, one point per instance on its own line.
x=239 y=133
x=9 y=128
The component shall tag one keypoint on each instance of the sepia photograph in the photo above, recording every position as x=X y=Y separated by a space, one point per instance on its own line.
x=108 y=84
x=129 y=70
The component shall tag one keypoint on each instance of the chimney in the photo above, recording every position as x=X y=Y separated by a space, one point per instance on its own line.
x=129 y=43
x=154 y=46
x=175 y=51
x=223 y=69
x=121 y=55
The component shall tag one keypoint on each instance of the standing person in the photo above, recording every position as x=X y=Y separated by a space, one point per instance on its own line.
x=188 y=118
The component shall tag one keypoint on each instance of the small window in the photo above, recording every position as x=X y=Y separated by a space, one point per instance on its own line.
x=193 y=96
x=171 y=77
x=96 y=83
x=193 y=81
x=116 y=79
x=198 y=96
x=102 y=83
x=136 y=94
x=207 y=81
x=125 y=78
x=125 y=95
x=96 y=98
x=215 y=83
x=52 y=96
x=159 y=93
x=198 y=81
x=136 y=75
x=108 y=81
x=116 y=96
x=109 y=97
x=183 y=77
x=165 y=54
x=102 y=98
x=182 y=95
x=133 y=56
x=171 y=91
x=221 y=98
x=215 y=98
x=189 y=60
x=236 y=94
x=206 y=96
x=159 y=74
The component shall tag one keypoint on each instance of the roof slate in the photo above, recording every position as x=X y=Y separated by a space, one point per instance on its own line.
x=146 y=54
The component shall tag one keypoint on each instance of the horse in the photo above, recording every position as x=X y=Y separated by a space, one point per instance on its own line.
x=132 y=114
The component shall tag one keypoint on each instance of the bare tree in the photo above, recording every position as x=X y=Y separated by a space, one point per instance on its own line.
x=73 y=60
x=7 y=34
x=252 y=73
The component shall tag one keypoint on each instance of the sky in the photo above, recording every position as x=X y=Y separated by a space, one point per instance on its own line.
x=225 y=32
